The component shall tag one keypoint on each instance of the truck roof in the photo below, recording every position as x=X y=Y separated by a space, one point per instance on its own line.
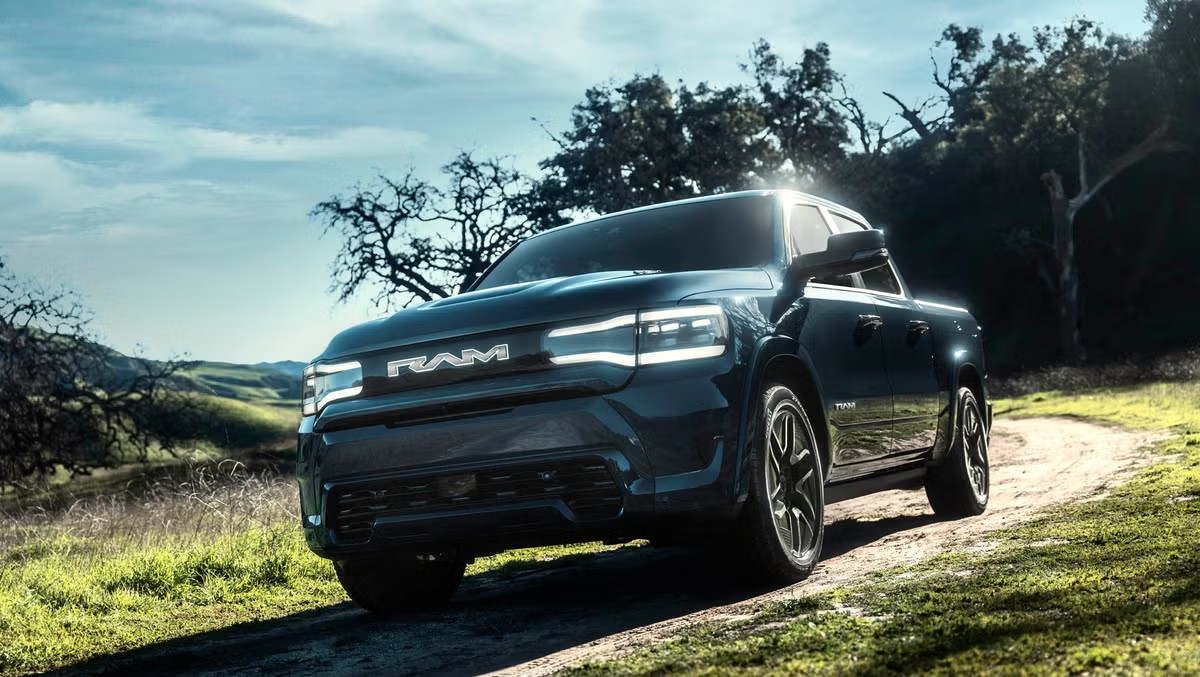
x=722 y=196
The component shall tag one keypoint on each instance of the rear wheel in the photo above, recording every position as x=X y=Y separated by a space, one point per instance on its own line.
x=961 y=485
x=783 y=522
x=406 y=583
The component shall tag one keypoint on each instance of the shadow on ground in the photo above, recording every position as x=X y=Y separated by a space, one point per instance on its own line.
x=493 y=623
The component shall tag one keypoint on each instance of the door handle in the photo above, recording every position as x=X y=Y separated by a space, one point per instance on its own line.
x=918 y=326
x=869 y=321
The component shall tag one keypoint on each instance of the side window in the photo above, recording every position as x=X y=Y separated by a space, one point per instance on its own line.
x=810 y=234
x=808 y=230
x=881 y=279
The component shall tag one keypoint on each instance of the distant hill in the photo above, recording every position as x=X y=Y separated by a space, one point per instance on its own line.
x=246 y=382
x=290 y=367
x=273 y=383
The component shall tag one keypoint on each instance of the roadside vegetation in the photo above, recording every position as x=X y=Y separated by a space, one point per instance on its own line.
x=198 y=548
x=1104 y=586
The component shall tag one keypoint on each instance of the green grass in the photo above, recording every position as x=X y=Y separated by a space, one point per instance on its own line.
x=1104 y=586
x=65 y=598
x=234 y=424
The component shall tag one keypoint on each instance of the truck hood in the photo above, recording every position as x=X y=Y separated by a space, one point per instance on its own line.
x=540 y=302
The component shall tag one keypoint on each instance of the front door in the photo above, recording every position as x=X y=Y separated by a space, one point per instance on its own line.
x=840 y=328
x=849 y=351
x=908 y=351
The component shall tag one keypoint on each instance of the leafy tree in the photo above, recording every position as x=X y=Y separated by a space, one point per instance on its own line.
x=643 y=142
x=414 y=241
x=63 y=406
x=1174 y=44
x=962 y=84
x=800 y=108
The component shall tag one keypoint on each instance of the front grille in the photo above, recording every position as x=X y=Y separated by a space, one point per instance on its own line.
x=585 y=485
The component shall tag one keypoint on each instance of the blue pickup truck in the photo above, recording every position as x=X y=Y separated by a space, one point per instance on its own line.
x=716 y=369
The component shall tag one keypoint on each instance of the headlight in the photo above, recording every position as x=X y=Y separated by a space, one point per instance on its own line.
x=686 y=333
x=324 y=383
x=649 y=337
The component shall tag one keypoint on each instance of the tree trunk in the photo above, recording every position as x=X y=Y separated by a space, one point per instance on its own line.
x=1070 y=339
x=1063 y=211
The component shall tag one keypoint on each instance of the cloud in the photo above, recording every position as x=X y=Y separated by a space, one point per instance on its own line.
x=348 y=142
x=131 y=128
x=51 y=200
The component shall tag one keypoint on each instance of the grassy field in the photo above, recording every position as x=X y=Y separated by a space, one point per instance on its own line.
x=1105 y=586
x=205 y=548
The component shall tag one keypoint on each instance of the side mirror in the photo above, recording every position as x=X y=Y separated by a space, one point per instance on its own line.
x=846 y=253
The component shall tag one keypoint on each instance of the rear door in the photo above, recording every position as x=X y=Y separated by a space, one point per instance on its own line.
x=908 y=351
x=841 y=333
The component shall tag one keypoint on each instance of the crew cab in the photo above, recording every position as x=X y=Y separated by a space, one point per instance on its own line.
x=716 y=369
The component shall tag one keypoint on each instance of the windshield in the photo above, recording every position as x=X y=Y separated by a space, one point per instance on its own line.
x=730 y=233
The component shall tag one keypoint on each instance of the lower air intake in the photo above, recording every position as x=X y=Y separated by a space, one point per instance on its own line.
x=586 y=486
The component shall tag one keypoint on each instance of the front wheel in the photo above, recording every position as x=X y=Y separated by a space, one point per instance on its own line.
x=961 y=485
x=403 y=584
x=783 y=522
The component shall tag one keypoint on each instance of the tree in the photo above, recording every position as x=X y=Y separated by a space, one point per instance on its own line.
x=1062 y=94
x=800 y=108
x=643 y=142
x=963 y=83
x=1174 y=44
x=414 y=241
x=62 y=404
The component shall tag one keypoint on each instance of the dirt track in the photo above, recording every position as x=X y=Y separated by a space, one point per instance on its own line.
x=542 y=621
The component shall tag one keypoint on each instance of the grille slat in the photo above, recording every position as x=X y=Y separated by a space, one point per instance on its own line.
x=586 y=486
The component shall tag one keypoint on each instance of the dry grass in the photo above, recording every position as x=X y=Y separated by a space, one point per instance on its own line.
x=191 y=503
x=196 y=548
x=1180 y=367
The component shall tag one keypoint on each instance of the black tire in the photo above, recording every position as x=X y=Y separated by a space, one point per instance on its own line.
x=404 y=584
x=782 y=525
x=961 y=485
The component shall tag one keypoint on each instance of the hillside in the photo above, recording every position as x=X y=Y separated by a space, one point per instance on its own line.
x=247 y=411
x=255 y=383
x=291 y=367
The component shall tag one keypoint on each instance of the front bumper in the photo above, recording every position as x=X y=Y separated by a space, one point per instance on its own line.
x=485 y=479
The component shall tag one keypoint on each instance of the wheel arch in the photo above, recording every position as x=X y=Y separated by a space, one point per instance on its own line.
x=965 y=373
x=782 y=360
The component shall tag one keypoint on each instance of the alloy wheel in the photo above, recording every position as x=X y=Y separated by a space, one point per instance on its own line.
x=792 y=482
x=975 y=451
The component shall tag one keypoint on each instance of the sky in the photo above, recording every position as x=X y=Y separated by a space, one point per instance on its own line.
x=161 y=157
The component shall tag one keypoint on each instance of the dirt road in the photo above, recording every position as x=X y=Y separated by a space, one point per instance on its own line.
x=602 y=606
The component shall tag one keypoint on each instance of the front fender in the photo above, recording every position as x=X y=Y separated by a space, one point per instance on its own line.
x=767 y=350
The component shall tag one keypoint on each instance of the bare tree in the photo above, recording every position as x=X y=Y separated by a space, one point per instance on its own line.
x=1064 y=209
x=1062 y=92
x=414 y=241
x=63 y=404
x=962 y=83
x=873 y=137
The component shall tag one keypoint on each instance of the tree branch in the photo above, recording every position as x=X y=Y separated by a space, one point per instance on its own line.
x=1155 y=142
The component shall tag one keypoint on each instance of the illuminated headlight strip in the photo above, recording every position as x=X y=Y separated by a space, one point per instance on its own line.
x=698 y=315
x=660 y=356
x=311 y=404
x=611 y=358
x=322 y=369
x=335 y=395
x=681 y=311
x=614 y=323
